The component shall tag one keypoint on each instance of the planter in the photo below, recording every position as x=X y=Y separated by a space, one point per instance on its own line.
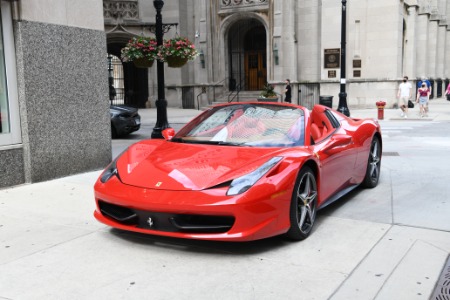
x=270 y=99
x=143 y=63
x=176 y=61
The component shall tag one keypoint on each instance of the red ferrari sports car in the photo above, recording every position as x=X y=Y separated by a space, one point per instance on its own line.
x=240 y=172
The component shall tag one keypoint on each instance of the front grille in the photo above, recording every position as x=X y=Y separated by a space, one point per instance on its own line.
x=118 y=213
x=186 y=223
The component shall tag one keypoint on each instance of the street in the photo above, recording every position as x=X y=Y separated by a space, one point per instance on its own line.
x=390 y=242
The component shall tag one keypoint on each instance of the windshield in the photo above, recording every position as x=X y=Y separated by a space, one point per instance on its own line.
x=261 y=125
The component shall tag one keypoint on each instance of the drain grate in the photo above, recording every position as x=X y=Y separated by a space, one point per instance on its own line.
x=391 y=154
x=442 y=290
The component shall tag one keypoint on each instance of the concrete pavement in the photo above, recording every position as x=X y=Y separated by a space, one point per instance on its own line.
x=390 y=242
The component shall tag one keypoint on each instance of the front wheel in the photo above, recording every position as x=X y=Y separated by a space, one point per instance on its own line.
x=303 y=205
x=373 y=165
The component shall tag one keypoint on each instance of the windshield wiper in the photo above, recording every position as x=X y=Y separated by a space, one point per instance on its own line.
x=221 y=143
x=231 y=143
x=177 y=140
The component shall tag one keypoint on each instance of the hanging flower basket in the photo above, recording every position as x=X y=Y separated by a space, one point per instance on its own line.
x=177 y=52
x=176 y=61
x=143 y=62
x=142 y=51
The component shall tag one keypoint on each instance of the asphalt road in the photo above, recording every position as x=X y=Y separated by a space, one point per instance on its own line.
x=390 y=242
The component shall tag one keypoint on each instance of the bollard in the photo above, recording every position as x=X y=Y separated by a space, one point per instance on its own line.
x=380 y=106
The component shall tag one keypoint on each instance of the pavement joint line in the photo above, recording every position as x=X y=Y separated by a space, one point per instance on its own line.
x=355 y=268
x=48 y=248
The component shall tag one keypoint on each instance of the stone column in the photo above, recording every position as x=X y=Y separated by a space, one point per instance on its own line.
x=276 y=46
x=440 y=57
x=432 y=49
x=410 y=59
x=421 y=45
x=447 y=42
x=289 y=39
x=63 y=84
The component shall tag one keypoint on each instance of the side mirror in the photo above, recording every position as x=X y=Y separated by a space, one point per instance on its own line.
x=168 y=133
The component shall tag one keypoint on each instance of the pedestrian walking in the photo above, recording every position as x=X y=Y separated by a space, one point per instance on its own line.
x=288 y=91
x=404 y=94
x=447 y=92
x=428 y=83
x=423 y=96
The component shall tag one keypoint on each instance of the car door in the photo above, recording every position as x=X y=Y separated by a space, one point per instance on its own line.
x=337 y=154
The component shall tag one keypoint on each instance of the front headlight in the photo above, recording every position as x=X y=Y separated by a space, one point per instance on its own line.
x=243 y=183
x=114 y=113
x=110 y=171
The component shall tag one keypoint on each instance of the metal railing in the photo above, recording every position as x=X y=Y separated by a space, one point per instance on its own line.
x=202 y=92
x=239 y=87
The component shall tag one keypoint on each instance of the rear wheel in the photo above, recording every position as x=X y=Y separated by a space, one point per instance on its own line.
x=303 y=205
x=373 y=165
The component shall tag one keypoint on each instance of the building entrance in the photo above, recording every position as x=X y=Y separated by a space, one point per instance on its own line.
x=255 y=70
x=130 y=84
x=247 y=55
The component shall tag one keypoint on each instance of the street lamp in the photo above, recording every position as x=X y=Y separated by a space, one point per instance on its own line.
x=161 y=102
x=342 y=94
x=112 y=90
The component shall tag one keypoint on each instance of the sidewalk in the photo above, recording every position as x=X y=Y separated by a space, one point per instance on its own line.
x=51 y=247
x=439 y=111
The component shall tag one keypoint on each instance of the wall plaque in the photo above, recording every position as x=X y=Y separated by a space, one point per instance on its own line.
x=332 y=74
x=356 y=73
x=332 y=58
x=356 y=63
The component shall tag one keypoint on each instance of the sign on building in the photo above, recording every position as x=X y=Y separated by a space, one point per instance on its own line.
x=332 y=58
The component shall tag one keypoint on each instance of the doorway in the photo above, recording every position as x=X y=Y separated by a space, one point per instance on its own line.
x=247 y=55
x=130 y=83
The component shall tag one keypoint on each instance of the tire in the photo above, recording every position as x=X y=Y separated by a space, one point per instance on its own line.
x=303 y=208
x=373 y=165
x=114 y=134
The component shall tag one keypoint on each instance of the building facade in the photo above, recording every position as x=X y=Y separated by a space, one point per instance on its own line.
x=56 y=57
x=54 y=108
x=246 y=43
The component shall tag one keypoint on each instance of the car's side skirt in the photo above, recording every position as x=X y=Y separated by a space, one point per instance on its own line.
x=338 y=195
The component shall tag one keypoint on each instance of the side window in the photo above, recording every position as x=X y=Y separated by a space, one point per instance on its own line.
x=9 y=107
x=334 y=122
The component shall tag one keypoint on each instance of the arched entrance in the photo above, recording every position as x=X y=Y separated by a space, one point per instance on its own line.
x=247 y=55
x=131 y=83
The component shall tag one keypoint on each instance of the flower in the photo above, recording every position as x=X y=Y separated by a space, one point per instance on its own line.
x=268 y=91
x=178 y=47
x=140 y=47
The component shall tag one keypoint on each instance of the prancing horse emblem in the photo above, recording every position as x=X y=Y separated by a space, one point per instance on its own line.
x=150 y=222
x=158 y=184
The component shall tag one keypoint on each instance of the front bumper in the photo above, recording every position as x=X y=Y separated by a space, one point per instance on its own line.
x=261 y=212
x=126 y=126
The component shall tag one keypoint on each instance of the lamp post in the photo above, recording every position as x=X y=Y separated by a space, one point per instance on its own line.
x=112 y=91
x=161 y=102
x=343 y=108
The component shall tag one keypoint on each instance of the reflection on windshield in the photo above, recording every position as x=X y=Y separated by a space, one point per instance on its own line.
x=247 y=125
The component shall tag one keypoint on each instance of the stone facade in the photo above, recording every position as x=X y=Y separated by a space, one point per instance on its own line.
x=386 y=40
x=63 y=109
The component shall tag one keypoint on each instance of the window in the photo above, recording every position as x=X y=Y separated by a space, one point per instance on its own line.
x=9 y=107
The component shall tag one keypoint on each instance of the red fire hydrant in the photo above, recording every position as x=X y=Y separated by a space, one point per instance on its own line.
x=380 y=106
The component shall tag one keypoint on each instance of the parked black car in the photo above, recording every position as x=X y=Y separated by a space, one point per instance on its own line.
x=124 y=120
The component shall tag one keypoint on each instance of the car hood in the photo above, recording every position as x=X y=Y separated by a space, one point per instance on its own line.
x=123 y=109
x=158 y=164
